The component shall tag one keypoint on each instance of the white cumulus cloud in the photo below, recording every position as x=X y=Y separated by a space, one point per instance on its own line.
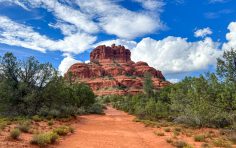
x=66 y=63
x=174 y=80
x=151 y=4
x=101 y=16
x=16 y=34
x=203 y=32
x=175 y=54
x=231 y=37
x=126 y=43
x=117 y=20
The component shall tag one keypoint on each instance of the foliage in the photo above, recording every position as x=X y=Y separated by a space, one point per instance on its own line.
x=221 y=143
x=24 y=127
x=44 y=139
x=63 y=130
x=29 y=88
x=148 y=85
x=205 y=101
x=15 y=133
x=226 y=66
x=200 y=138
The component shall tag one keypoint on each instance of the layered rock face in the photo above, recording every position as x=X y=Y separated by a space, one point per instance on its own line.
x=111 y=71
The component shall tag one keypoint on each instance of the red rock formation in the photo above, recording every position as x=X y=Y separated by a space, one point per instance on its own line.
x=103 y=54
x=111 y=71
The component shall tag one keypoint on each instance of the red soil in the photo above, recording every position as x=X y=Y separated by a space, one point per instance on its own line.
x=115 y=129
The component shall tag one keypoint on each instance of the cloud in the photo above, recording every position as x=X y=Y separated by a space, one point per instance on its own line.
x=176 y=54
x=117 y=20
x=218 y=1
x=101 y=16
x=66 y=63
x=231 y=37
x=173 y=80
x=16 y=34
x=218 y=14
x=173 y=54
x=126 y=43
x=66 y=14
x=151 y=4
x=203 y=32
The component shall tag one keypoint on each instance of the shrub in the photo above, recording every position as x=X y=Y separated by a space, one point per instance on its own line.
x=232 y=138
x=3 y=125
x=36 y=118
x=24 y=127
x=63 y=130
x=96 y=108
x=180 y=144
x=44 y=139
x=176 y=133
x=205 y=145
x=167 y=129
x=159 y=133
x=200 y=138
x=178 y=129
x=50 y=123
x=169 y=140
x=222 y=143
x=15 y=133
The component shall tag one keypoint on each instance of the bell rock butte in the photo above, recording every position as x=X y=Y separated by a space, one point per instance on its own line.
x=111 y=71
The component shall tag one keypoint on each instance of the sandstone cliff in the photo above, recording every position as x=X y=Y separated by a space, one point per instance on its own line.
x=111 y=71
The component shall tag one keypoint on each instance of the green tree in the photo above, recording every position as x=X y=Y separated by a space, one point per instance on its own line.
x=148 y=84
x=226 y=66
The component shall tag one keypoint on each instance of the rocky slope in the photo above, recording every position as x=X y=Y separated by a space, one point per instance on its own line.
x=111 y=71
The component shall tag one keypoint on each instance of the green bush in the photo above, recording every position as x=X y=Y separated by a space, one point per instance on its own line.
x=24 y=127
x=167 y=130
x=63 y=130
x=44 y=139
x=159 y=133
x=179 y=144
x=232 y=138
x=42 y=92
x=36 y=118
x=222 y=143
x=50 y=123
x=200 y=138
x=96 y=108
x=15 y=133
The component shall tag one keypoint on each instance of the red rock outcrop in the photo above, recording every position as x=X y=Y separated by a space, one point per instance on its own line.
x=111 y=71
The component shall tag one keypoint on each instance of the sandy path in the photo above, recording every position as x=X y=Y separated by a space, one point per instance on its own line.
x=115 y=129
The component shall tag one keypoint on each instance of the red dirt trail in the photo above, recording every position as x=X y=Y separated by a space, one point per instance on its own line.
x=115 y=129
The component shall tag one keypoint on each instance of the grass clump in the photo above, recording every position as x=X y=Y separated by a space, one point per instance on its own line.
x=15 y=133
x=200 y=138
x=50 y=123
x=36 y=118
x=205 y=145
x=3 y=125
x=159 y=133
x=180 y=144
x=169 y=140
x=63 y=130
x=167 y=129
x=222 y=143
x=176 y=133
x=178 y=129
x=44 y=139
x=24 y=127
x=232 y=138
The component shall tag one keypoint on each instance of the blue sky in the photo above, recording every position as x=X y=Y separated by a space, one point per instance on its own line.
x=179 y=37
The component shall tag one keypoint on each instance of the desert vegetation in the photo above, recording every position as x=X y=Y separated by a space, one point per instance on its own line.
x=207 y=101
x=33 y=95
